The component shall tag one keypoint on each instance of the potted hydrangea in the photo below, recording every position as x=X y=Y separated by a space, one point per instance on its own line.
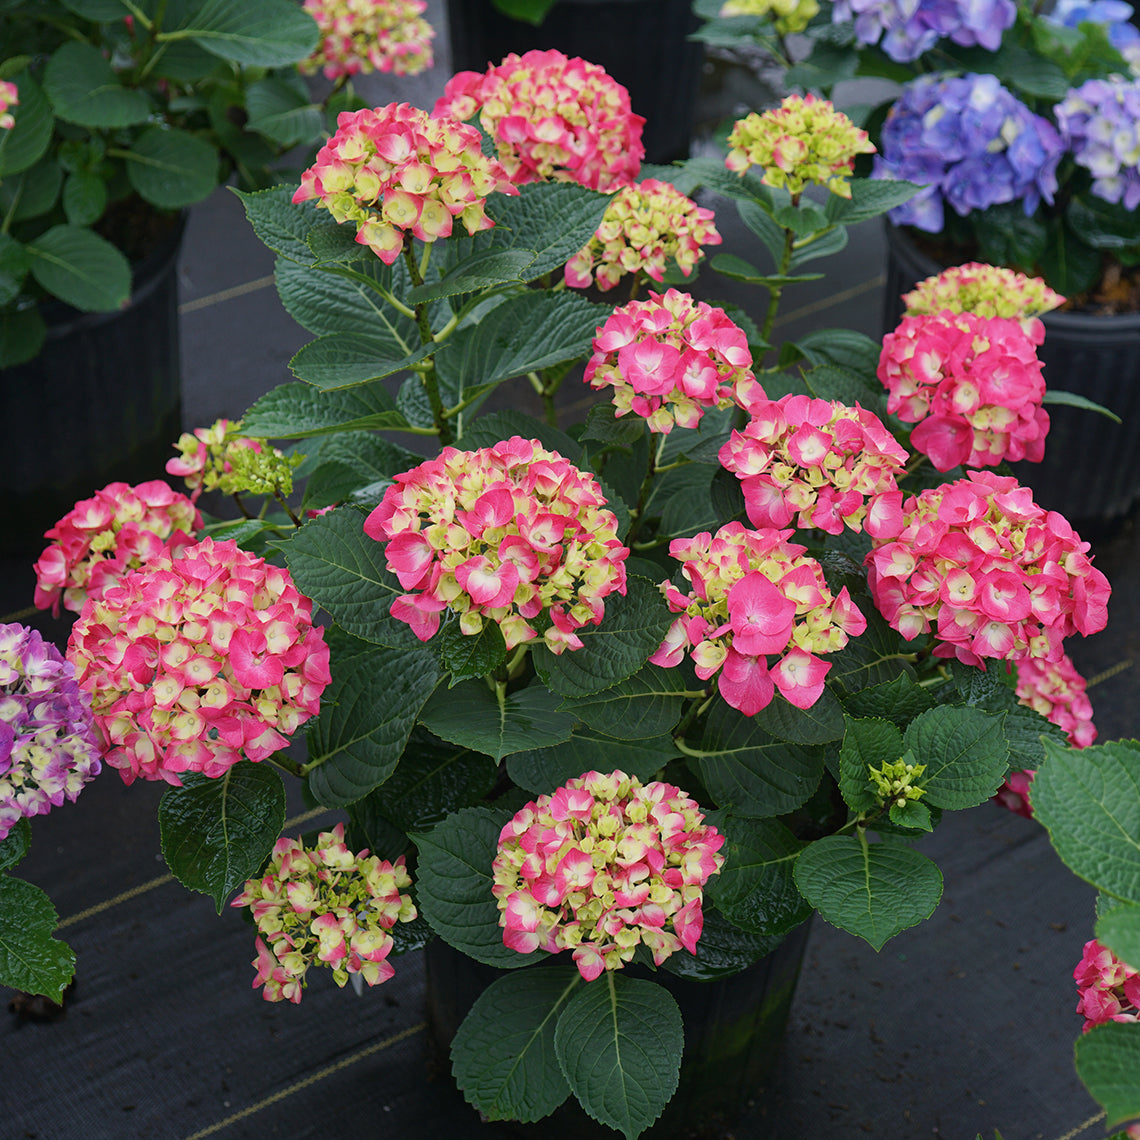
x=612 y=707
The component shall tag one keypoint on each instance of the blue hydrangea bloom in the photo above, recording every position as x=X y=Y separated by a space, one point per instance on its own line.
x=908 y=28
x=1114 y=14
x=1100 y=122
x=971 y=143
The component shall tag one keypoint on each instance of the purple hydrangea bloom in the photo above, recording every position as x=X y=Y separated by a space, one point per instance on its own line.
x=971 y=143
x=910 y=27
x=48 y=745
x=1100 y=121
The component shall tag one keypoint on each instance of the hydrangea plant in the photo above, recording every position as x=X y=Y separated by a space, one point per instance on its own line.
x=638 y=692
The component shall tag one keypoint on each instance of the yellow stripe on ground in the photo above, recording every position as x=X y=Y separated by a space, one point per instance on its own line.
x=225 y=295
x=1083 y=1127
x=312 y=1079
x=829 y=302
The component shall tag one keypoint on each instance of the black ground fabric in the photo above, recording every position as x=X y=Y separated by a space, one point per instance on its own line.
x=960 y=1026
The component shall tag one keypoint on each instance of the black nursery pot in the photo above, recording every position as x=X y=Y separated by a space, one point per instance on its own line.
x=734 y=1030
x=641 y=43
x=1091 y=469
x=102 y=402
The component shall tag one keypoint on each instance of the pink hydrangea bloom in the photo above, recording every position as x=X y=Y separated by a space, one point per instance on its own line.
x=1014 y=792
x=324 y=906
x=603 y=865
x=988 y=571
x=9 y=97
x=755 y=597
x=369 y=35
x=394 y=170
x=805 y=141
x=198 y=660
x=215 y=458
x=817 y=462
x=671 y=357
x=500 y=534
x=48 y=745
x=972 y=384
x=644 y=226
x=985 y=291
x=552 y=118
x=120 y=528
x=1109 y=989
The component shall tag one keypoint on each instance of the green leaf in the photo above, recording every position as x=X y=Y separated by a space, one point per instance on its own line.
x=103 y=11
x=1119 y=930
x=84 y=198
x=843 y=348
x=756 y=887
x=81 y=268
x=27 y=141
x=30 y=959
x=470 y=714
x=544 y=769
x=453 y=875
x=503 y=1055
x=14 y=846
x=632 y=629
x=474 y=274
x=827 y=242
x=336 y=564
x=216 y=833
x=433 y=780
x=279 y=223
x=749 y=771
x=1025 y=729
x=299 y=411
x=604 y=426
x=1108 y=1061
x=872 y=658
x=761 y=223
x=965 y=753
x=33 y=192
x=723 y=949
x=737 y=269
x=258 y=33
x=283 y=112
x=684 y=499
x=870 y=890
x=327 y=301
x=488 y=430
x=171 y=168
x=820 y=724
x=913 y=814
x=470 y=655
x=870 y=197
x=867 y=743
x=646 y=705
x=619 y=1043
x=14 y=262
x=1089 y=799
x=367 y=715
x=22 y=335
x=1074 y=400
x=84 y=89
x=348 y=462
x=350 y=359
x=900 y=700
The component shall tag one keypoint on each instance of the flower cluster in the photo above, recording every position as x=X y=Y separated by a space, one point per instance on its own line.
x=215 y=458
x=503 y=534
x=985 y=291
x=1115 y=16
x=603 y=865
x=908 y=28
x=644 y=226
x=973 y=385
x=48 y=746
x=552 y=117
x=803 y=141
x=1109 y=989
x=1100 y=122
x=369 y=35
x=788 y=15
x=324 y=906
x=669 y=358
x=815 y=461
x=755 y=595
x=970 y=143
x=198 y=660
x=9 y=97
x=989 y=571
x=394 y=169
x=119 y=529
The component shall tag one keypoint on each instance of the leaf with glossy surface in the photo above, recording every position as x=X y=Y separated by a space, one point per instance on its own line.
x=171 y=168
x=454 y=878
x=819 y=724
x=873 y=891
x=488 y=430
x=899 y=700
x=348 y=462
x=471 y=715
x=753 y=773
x=870 y=198
x=14 y=846
x=350 y=359
x=299 y=411
x=1089 y=800
x=81 y=268
x=216 y=833
x=1108 y=1062
x=31 y=960
x=481 y=271
x=868 y=742
x=26 y=142
x=336 y=564
x=84 y=89
x=327 y=301
x=619 y=1043
x=367 y=714
x=465 y=656
x=503 y=1055
x=544 y=769
x=279 y=223
x=724 y=949
x=257 y=33
x=648 y=704
x=965 y=753
x=283 y=112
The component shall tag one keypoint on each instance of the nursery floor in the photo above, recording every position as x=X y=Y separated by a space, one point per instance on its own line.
x=961 y=1026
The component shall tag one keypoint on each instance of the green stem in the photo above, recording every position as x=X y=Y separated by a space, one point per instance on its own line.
x=287 y=509
x=280 y=760
x=428 y=377
x=776 y=291
x=700 y=702
x=636 y=514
